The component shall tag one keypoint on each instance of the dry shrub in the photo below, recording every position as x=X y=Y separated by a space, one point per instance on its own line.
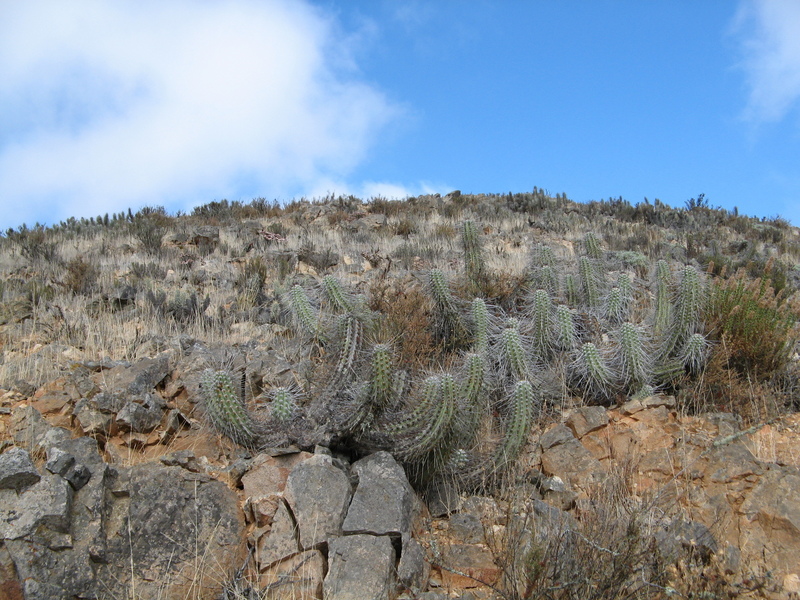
x=406 y=319
x=81 y=276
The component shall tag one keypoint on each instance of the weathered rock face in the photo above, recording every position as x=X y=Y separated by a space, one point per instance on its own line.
x=76 y=519
x=170 y=532
x=87 y=530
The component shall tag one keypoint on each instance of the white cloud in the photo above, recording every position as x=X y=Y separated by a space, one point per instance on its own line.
x=770 y=35
x=373 y=189
x=107 y=105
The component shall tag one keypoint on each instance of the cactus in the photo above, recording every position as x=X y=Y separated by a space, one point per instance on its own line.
x=226 y=410
x=589 y=279
x=688 y=304
x=566 y=338
x=663 y=306
x=472 y=395
x=304 y=314
x=571 y=289
x=449 y=325
x=284 y=404
x=540 y=319
x=336 y=296
x=542 y=272
x=479 y=317
x=513 y=360
x=615 y=310
x=695 y=353
x=473 y=252
x=633 y=360
x=523 y=404
x=350 y=334
x=592 y=373
x=381 y=381
x=427 y=426
x=591 y=246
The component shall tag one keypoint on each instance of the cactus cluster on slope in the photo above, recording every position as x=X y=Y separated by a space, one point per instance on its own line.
x=586 y=326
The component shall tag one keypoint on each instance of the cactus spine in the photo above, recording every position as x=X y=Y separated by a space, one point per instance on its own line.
x=351 y=335
x=566 y=338
x=590 y=288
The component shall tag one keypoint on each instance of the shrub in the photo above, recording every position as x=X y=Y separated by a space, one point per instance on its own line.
x=754 y=325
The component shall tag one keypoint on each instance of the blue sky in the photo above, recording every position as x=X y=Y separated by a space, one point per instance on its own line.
x=109 y=105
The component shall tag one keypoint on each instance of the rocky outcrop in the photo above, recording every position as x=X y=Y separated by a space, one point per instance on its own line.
x=110 y=482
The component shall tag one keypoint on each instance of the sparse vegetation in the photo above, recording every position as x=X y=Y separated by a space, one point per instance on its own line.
x=446 y=349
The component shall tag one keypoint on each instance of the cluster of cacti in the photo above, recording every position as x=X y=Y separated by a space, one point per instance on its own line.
x=573 y=326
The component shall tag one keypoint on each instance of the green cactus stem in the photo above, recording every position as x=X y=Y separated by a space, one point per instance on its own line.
x=226 y=410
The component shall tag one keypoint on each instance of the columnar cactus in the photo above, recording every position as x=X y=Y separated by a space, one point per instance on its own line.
x=336 y=296
x=304 y=314
x=479 y=317
x=662 y=317
x=350 y=336
x=226 y=409
x=632 y=358
x=695 y=353
x=473 y=252
x=566 y=337
x=540 y=312
x=590 y=282
x=448 y=322
x=591 y=246
x=592 y=373
x=523 y=404
x=512 y=356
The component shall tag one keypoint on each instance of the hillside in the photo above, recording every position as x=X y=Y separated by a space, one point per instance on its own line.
x=589 y=400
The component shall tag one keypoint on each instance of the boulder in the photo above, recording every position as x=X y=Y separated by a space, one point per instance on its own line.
x=360 y=568
x=383 y=501
x=318 y=494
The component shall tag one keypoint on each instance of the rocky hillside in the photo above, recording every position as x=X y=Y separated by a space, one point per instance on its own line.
x=495 y=396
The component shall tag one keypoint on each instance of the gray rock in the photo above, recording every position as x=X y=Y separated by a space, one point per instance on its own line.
x=466 y=528
x=162 y=527
x=360 y=568
x=138 y=379
x=93 y=422
x=412 y=569
x=17 y=470
x=142 y=416
x=560 y=434
x=318 y=494
x=60 y=462
x=47 y=503
x=281 y=541
x=587 y=419
x=383 y=501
